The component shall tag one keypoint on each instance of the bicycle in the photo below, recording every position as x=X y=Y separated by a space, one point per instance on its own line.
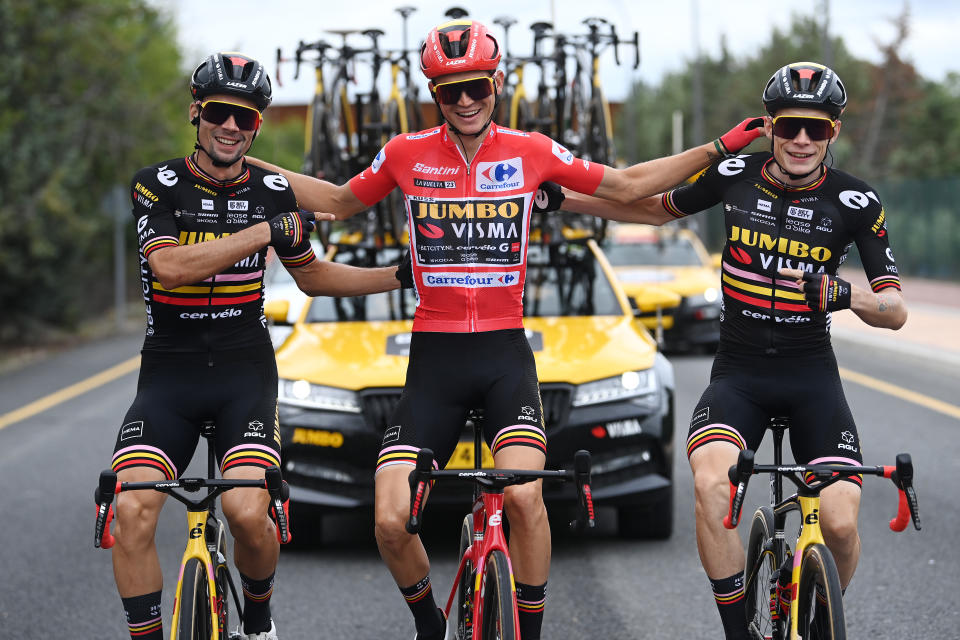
x=781 y=587
x=484 y=585
x=201 y=608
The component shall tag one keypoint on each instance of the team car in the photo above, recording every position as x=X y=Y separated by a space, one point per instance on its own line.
x=648 y=260
x=604 y=386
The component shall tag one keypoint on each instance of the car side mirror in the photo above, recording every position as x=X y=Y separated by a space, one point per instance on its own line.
x=276 y=311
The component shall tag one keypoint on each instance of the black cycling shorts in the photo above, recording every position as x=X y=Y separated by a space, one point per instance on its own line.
x=176 y=392
x=745 y=391
x=450 y=374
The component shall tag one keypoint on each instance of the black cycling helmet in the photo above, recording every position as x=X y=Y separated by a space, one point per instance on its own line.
x=805 y=84
x=233 y=74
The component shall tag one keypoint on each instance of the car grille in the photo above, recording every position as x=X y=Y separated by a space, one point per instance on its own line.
x=556 y=405
x=378 y=406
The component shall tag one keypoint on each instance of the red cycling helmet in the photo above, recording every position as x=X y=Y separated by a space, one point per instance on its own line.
x=461 y=45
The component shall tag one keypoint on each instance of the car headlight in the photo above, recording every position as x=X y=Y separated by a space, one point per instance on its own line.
x=708 y=297
x=301 y=393
x=630 y=384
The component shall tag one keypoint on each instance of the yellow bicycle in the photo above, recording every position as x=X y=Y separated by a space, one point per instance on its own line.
x=796 y=594
x=201 y=606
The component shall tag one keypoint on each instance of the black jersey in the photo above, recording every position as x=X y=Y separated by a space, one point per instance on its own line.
x=770 y=227
x=175 y=203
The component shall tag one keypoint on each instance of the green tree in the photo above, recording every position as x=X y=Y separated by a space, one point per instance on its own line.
x=93 y=90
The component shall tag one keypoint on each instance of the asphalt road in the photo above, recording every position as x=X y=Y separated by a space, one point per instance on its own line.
x=55 y=584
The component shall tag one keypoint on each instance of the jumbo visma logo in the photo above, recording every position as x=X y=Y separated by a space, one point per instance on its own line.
x=501 y=175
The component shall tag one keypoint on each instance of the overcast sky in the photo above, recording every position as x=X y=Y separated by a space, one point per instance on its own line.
x=258 y=27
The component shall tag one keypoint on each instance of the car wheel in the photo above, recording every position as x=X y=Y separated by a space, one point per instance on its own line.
x=653 y=521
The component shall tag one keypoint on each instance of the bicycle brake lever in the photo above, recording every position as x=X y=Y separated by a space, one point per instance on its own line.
x=739 y=475
x=418 y=489
x=106 y=489
x=279 y=502
x=581 y=469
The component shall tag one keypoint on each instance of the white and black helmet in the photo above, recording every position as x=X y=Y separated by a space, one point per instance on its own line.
x=805 y=84
x=232 y=74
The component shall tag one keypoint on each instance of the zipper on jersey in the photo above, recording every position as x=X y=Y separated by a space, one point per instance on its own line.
x=471 y=294
x=772 y=349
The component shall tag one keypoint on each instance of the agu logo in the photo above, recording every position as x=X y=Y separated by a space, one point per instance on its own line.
x=500 y=176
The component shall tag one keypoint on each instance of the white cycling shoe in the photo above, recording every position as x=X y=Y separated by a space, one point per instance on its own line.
x=263 y=635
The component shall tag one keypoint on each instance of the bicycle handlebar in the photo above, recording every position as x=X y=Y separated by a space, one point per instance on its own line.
x=423 y=472
x=109 y=486
x=901 y=474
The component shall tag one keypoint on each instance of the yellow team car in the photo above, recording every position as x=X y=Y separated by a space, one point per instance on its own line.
x=604 y=387
x=654 y=262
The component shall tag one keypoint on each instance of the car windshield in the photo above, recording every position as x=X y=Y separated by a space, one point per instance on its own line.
x=656 y=249
x=562 y=280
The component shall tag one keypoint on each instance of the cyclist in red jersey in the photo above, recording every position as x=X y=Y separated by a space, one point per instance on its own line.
x=469 y=187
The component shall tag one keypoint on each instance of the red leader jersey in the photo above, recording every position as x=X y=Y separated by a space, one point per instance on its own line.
x=469 y=222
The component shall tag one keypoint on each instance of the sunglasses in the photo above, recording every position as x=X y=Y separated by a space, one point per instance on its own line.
x=789 y=127
x=217 y=112
x=476 y=88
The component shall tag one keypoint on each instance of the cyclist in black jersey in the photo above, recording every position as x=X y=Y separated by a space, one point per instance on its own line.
x=204 y=225
x=790 y=221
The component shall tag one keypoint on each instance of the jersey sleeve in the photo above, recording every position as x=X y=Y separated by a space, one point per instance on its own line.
x=561 y=166
x=153 y=210
x=286 y=200
x=706 y=191
x=873 y=243
x=376 y=181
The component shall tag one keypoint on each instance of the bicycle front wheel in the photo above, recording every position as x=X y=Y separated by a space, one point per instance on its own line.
x=499 y=622
x=761 y=567
x=464 y=610
x=818 y=572
x=193 y=621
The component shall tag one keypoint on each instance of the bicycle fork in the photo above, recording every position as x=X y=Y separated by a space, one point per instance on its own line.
x=197 y=548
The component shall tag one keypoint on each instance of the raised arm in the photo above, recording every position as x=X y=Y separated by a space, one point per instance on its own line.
x=317 y=195
x=885 y=309
x=654 y=176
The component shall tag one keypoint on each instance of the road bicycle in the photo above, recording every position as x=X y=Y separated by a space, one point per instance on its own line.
x=796 y=593
x=484 y=587
x=201 y=605
x=514 y=110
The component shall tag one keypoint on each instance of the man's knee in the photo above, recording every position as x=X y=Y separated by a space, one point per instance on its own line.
x=524 y=503
x=246 y=514
x=711 y=484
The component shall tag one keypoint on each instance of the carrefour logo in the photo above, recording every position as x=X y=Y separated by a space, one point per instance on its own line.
x=471 y=280
x=500 y=176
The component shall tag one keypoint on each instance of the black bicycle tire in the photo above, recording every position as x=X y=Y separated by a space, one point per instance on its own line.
x=599 y=148
x=193 y=621
x=221 y=578
x=756 y=588
x=819 y=566
x=316 y=136
x=547 y=116
x=464 y=602
x=498 y=600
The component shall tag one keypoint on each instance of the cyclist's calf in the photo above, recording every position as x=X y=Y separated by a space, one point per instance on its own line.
x=839 y=507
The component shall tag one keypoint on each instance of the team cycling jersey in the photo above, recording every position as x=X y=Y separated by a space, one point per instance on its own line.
x=176 y=203
x=469 y=221
x=769 y=227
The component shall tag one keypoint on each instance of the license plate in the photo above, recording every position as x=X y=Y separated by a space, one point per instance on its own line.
x=462 y=457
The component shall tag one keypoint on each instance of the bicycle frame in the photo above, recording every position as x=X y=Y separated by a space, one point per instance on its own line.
x=197 y=548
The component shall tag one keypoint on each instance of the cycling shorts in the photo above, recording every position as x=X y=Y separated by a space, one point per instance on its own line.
x=450 y=374
x=177 y=392
x=745 y=391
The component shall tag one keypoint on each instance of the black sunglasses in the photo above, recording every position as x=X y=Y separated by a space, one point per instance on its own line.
x=789 y=127
x=217 y=112
x=476 y=88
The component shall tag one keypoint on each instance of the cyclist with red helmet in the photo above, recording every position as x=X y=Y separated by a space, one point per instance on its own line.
x=469 y=186
x=790 y=220
x=204 y=224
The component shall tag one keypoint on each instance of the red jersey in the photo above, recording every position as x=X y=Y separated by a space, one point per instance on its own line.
x=469 y=222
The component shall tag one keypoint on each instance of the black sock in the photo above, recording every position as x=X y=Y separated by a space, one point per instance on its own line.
x=728 y=593
x=426 y=616
x=256 y=603
x=530 y=601
x=143 y=616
